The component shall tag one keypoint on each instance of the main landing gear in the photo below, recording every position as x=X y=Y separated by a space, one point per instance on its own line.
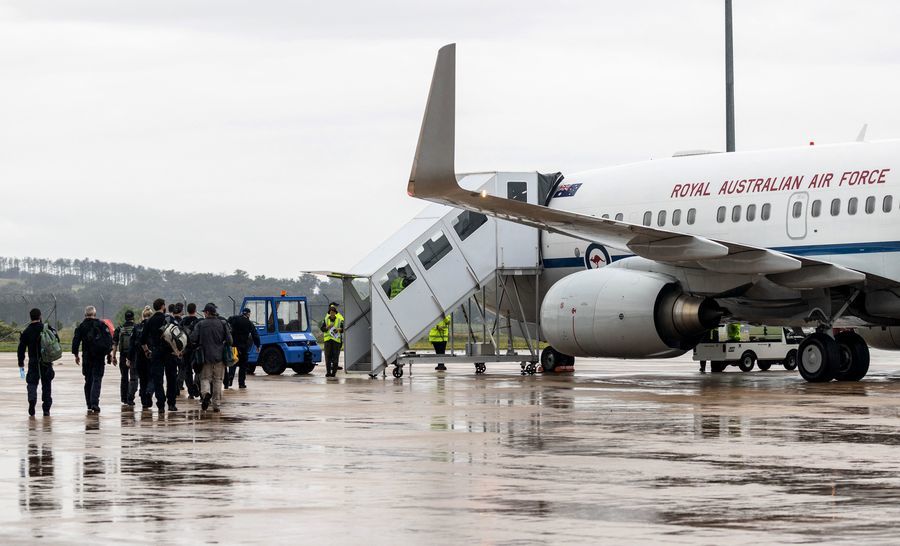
x=822 y=357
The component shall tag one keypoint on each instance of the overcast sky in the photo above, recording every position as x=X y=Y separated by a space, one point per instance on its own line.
x=276 y=136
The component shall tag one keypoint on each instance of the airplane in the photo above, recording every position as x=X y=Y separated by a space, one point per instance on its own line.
x=799 y=237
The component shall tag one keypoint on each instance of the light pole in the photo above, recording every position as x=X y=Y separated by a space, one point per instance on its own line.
x=729 y=80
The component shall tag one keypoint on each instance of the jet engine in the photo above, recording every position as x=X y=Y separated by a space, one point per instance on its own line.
x=610 y=312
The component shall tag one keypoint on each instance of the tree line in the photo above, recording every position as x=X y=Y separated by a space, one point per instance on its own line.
x=69 y=285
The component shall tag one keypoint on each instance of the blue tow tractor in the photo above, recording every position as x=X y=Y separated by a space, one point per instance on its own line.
x=286 y=338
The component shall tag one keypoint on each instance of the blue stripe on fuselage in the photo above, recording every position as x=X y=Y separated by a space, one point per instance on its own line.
x=807 y=250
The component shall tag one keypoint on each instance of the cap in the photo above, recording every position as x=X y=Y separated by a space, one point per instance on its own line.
x=245 y=311
x=333 y=304
x=210 y=308
x=129 y=315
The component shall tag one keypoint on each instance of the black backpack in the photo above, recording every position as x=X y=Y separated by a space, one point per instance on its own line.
x=98 y=339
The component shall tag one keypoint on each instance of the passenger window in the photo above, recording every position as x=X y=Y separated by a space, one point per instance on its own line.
x=816 y=208
x=797 y=210
x=751 y=213
x=517 y=191
x=691 y=216
x=870 y=204
x=835 y=207
x=676 y=217
x=620 y=216
x=736 y=213
x=766 y=212
x=852 y=205
x=397 y=279
x=887 y=203
x=648 y=217
x=720 y=215
x=467 y=222
x=433 y=250
x=661 y=218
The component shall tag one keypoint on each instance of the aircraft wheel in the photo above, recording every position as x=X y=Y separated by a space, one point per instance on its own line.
x=790 y=361
x=717 y=367
x=818 y=358
x=854 y=363
x=764 y=366
x=747 y=361
x=272 y=361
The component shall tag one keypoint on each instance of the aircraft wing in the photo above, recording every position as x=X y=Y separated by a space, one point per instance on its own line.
x=433 y=178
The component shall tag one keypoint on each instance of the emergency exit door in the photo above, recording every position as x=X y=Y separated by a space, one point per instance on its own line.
x=797 y=210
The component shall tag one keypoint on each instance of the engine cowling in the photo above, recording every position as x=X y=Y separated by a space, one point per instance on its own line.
x=610 y=312
x=881 y=337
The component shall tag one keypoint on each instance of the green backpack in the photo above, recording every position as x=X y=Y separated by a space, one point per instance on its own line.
x=51 y=351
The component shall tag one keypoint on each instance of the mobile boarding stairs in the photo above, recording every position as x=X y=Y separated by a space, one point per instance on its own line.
x=455 y=260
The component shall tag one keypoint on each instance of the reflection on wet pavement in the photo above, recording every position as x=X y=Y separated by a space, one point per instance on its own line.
x=632 y=451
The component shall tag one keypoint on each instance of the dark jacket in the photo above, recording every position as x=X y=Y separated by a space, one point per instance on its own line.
x=30 y=343
x=210 y=336
x=123 y=350
x=243 y=330
x=135 y=352
x=151 y=334
x=81 y=335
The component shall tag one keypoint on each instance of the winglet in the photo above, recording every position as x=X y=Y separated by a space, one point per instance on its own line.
x=861 y=137
x=433 y=172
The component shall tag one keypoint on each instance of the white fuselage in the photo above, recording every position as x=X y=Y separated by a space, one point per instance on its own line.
x=839 y=203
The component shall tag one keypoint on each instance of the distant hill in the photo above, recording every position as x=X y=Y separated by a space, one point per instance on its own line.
x=74 y=284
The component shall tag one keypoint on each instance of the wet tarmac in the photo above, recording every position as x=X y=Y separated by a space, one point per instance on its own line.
x=618 y=452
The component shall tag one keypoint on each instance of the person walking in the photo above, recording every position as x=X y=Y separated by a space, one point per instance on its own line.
x=244 y=333
x=93 y=339
x=438 y=336
x=210 y=337
x=139 y=361
x=38 y=371
x=174 y=362
x=157 y=352
x=128 y=385
x=333 y=328
x=190 y=379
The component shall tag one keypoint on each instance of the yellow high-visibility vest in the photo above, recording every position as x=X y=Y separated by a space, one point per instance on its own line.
x=441 y=330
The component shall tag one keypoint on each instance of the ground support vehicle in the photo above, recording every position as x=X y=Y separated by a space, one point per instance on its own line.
x=285 y=333
x=762 y=351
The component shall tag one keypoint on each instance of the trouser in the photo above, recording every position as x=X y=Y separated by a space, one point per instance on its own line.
x=143 y=372
x=212 y=380
x=440 y=347
x=332 y=356
x=92 y=369
x=155 y=384
x=172 y=364
x=241 y=367
x=186 y=374
x=129 y=382
x=43 y=375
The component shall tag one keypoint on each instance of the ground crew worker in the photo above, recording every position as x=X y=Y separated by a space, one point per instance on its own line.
x=401 y=282
x=128 y=385
x=733 y=331
x=333 y=328
x=30 y=344
x=438 y=336
x=209 y=337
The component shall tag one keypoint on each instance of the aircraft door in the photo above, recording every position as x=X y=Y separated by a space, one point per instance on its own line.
x=798 y=204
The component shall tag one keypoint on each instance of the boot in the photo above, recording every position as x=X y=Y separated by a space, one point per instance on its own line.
x=206 y=398
x=31 y=404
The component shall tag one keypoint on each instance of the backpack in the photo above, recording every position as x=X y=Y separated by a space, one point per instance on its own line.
x=98 y=339
x=134 y=341
x=174 y=336
x=125 y=335
x=51 y=350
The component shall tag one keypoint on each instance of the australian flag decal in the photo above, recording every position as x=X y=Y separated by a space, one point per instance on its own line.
x=566 y=190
